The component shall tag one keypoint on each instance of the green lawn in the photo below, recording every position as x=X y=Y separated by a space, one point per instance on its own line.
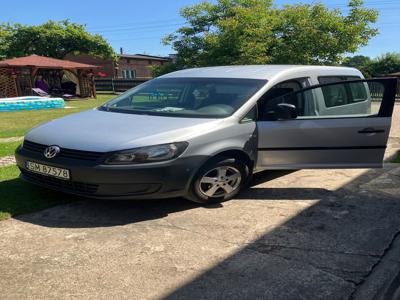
x=18 y=197
x=7 y=149
x=397 y=158
x=19 y=122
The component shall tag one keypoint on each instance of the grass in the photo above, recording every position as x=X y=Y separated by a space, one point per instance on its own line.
x=7 y=149
x=19 y=197
x=397 y=158
x=19 y=122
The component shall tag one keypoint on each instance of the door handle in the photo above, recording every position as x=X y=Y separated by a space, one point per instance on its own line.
x=371 y=131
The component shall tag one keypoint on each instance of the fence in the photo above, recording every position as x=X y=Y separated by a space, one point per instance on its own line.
x=116 y=85
x=376 y=91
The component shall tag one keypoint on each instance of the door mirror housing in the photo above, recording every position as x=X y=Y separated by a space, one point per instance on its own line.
x=282 y=111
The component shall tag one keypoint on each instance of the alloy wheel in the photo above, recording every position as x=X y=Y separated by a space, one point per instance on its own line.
x=220 y=181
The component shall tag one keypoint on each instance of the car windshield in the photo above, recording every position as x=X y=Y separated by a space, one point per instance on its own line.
x=186 y=97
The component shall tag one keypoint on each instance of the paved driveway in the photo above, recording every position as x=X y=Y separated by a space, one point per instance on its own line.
x=301 y=235
x=395 y=131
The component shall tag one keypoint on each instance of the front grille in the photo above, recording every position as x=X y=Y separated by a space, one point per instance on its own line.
x=65 y=153
x=73 y=186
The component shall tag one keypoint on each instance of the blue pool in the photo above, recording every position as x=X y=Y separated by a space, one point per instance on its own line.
x=30 y=103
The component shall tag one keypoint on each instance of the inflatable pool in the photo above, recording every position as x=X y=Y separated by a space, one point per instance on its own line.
x=30 y=103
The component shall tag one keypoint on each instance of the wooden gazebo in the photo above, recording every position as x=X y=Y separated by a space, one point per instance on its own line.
x=18 y=75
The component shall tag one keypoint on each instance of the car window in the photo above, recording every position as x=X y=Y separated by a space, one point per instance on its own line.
x=251 y=116
x=331 y=79
x=342 y=94
x=272 y=97
x=187 y=97
x=341 y=99
x=335 y=95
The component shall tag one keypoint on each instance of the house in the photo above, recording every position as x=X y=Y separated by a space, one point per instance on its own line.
x=127 y=66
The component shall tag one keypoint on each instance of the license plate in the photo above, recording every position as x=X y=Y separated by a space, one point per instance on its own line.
x=47 y=170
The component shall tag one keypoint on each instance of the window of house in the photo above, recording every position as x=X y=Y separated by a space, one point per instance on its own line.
x=128 y=74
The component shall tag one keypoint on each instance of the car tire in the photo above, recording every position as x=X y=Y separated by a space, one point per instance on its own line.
x=218 y=180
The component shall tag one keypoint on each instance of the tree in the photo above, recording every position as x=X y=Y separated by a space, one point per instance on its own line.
x=52 y=39
x=257 y=32
x=359 y=62
x=385 y=64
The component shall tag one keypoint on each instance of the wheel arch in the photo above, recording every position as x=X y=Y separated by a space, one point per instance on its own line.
x=237 y=154
x=230 y=153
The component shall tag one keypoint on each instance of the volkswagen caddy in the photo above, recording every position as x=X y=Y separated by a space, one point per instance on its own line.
x=201 y=133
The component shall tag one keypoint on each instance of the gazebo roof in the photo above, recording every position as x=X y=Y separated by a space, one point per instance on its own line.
x=44 y=62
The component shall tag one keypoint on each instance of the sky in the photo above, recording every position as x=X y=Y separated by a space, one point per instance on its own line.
x=138 y=26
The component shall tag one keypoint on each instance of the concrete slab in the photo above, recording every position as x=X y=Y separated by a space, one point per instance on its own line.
x=300 y=235
x=395 y=130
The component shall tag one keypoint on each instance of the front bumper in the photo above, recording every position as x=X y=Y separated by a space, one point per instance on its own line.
x=90 y=179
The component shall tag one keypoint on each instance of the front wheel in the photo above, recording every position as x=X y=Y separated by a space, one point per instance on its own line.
x=220 y=179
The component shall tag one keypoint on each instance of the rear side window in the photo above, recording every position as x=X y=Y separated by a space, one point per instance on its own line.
x=335 y=95
x=330 y=79
x=338 y=95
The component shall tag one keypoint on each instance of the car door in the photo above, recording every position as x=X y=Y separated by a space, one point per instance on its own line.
x=338 y=125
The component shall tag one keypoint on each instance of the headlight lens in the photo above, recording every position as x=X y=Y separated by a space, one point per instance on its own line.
x=147 y=154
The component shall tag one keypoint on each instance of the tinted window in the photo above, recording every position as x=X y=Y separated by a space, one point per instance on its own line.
x=331 y=79
x=343 y=94
x=344 y=99
x=187 y=97
x=335 y=95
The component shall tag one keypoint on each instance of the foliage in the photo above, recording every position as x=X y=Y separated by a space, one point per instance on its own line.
x=385 y=64
x=257 y=32
x=359 y=62
x=382 y=65
x=52 y=39
x=163 y=69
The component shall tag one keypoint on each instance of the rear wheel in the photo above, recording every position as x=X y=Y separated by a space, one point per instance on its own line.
x=220 y=179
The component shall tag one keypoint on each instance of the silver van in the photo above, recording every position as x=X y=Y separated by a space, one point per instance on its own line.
x=201 y=133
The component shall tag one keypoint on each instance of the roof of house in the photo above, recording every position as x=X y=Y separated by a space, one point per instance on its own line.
x=395 y=74
x=144 y=56
x=260 y=71
x=43 y=62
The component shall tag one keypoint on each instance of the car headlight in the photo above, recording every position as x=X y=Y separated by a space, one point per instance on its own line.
x=147 y=154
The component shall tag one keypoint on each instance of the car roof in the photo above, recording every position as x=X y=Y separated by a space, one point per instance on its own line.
x=266 y=72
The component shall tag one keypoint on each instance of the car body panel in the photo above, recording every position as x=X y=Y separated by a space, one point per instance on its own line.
x=322 y=143
x=101 y=131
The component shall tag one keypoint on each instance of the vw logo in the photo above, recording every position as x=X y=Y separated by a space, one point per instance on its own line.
x=51 y=152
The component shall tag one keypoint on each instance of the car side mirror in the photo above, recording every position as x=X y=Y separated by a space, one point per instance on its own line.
x=282 y=111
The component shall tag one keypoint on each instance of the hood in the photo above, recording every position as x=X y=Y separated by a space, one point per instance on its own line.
x=101 y=131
